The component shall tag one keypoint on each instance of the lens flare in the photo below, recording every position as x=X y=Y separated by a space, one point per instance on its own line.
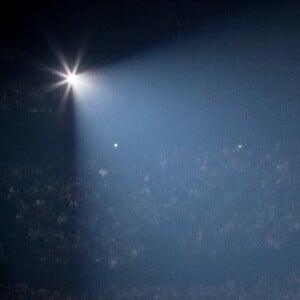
x=71 y=78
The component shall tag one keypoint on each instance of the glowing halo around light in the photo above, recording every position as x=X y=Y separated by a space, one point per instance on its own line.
x=72 y=79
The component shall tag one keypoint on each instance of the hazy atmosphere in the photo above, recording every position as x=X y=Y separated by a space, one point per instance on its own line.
x=150 y=150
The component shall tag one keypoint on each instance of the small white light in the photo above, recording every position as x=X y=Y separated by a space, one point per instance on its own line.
x=116 y=145
x=240 y=146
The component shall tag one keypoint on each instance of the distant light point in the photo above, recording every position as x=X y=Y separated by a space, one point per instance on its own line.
x=240 y=146
x=116 y=145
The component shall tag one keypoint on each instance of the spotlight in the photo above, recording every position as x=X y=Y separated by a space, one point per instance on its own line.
x=72 y=79
x=69 y=77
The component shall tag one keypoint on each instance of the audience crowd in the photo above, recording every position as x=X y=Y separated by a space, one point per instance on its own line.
x=25 y=98
x=227 y=291
x=180 y=205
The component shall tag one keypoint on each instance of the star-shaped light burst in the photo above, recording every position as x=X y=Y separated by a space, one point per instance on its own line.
x=69 y=77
